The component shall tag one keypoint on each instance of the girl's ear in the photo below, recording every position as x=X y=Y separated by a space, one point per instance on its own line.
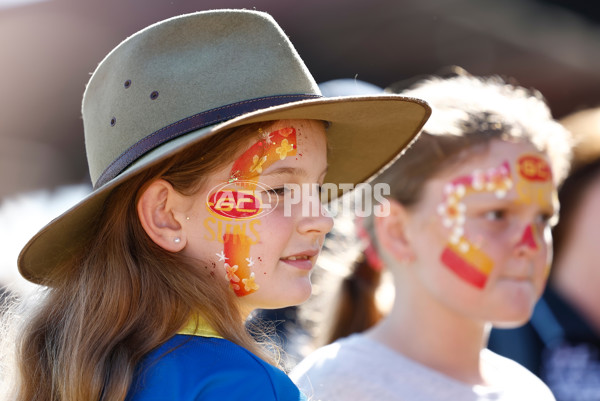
x=391 y=233
x=156 y=210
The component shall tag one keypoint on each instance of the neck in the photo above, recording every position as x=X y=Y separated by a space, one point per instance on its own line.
x=428 y=332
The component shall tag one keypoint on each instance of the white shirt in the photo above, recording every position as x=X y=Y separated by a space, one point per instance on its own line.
x=360 y=369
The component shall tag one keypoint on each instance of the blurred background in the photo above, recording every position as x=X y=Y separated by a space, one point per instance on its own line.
x=49 y=48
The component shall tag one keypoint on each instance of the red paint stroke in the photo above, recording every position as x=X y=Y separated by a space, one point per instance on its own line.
x=262 y=154
x=463 y=269
x=528 y=238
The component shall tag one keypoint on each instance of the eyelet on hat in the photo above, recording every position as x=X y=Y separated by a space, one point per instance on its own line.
x=113 y=121
x=154 y=95
x=127 y=83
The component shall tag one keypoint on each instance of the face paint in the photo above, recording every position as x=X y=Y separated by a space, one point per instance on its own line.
x=471 y=265
x=238 y=202
x=529 y=238
x=535 y=183
x=271 y=148
x=464 y=259
x=534 y=168
x=238 y=264
x=235 y=204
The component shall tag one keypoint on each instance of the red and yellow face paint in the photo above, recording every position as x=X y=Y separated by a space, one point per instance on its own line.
x=535 y=185
x=237 y=202
x=460 y=255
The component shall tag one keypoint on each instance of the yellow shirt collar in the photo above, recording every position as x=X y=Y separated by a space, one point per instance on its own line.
x=197 y=326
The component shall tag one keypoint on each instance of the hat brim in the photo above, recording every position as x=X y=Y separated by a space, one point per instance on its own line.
x=366 y=133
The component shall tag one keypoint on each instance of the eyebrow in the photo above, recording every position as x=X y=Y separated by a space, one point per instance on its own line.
x=291 y=171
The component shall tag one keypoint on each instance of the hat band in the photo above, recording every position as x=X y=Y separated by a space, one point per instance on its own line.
x=189 y=124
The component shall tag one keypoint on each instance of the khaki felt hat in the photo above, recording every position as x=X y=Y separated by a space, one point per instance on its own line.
x=181 y=80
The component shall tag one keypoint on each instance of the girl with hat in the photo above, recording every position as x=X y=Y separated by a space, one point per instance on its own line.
x=193 y=128
x=467 y=244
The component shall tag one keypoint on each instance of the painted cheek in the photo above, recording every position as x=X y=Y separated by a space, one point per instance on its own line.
x=473 y=265
x=460 y=255
x=239 y=263
x=246 y=170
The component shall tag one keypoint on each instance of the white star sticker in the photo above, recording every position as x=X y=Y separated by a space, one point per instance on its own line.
x=268 y=139
x=221 y=256
x=250 y=261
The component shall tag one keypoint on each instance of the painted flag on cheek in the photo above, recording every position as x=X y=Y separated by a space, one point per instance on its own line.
x=472 y=265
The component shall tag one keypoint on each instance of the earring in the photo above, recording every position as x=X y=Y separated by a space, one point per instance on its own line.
x=177 y=240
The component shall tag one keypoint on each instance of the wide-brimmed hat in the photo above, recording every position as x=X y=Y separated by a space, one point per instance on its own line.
x=181 y=80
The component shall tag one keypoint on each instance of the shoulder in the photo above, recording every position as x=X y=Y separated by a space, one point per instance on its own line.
x=200 y=368
x=342 y=370
x=516 y=381
x=328 y=357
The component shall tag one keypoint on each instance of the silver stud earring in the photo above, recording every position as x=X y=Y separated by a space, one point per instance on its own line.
x=177 y=240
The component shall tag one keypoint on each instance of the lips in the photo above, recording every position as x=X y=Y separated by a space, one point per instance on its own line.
x=303 y=260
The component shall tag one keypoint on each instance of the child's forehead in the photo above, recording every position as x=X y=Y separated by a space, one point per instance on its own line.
x=497 y=167
x=490 y=158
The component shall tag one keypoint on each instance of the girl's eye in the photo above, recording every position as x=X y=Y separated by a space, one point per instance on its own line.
x=278 y=191
x=547 y=219
x=495 y=215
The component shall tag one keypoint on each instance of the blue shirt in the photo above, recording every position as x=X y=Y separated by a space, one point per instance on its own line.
x=187 y=368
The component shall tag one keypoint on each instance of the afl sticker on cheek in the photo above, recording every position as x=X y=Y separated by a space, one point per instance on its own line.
x=460 y=255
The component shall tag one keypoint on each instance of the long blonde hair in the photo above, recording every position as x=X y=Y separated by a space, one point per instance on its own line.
x=121 y=295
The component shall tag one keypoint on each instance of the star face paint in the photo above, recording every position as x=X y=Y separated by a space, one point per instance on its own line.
x=460 y=255
x=236 y=200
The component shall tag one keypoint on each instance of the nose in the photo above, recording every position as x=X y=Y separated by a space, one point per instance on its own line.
x=318 y=223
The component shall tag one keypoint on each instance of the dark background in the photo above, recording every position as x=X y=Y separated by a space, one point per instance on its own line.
x=48 y=49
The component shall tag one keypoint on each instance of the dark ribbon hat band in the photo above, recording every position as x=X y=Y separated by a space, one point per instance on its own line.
x=190 y=124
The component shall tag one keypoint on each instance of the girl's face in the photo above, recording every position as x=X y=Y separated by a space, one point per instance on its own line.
x=481 y=233
x=243 y=224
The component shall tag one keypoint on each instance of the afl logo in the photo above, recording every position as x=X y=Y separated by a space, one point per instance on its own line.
x=534 y=168
x=232 y=201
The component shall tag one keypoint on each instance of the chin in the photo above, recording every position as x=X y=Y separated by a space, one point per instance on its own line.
x=299 y=294
x=289 y=297
x=513 y=319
